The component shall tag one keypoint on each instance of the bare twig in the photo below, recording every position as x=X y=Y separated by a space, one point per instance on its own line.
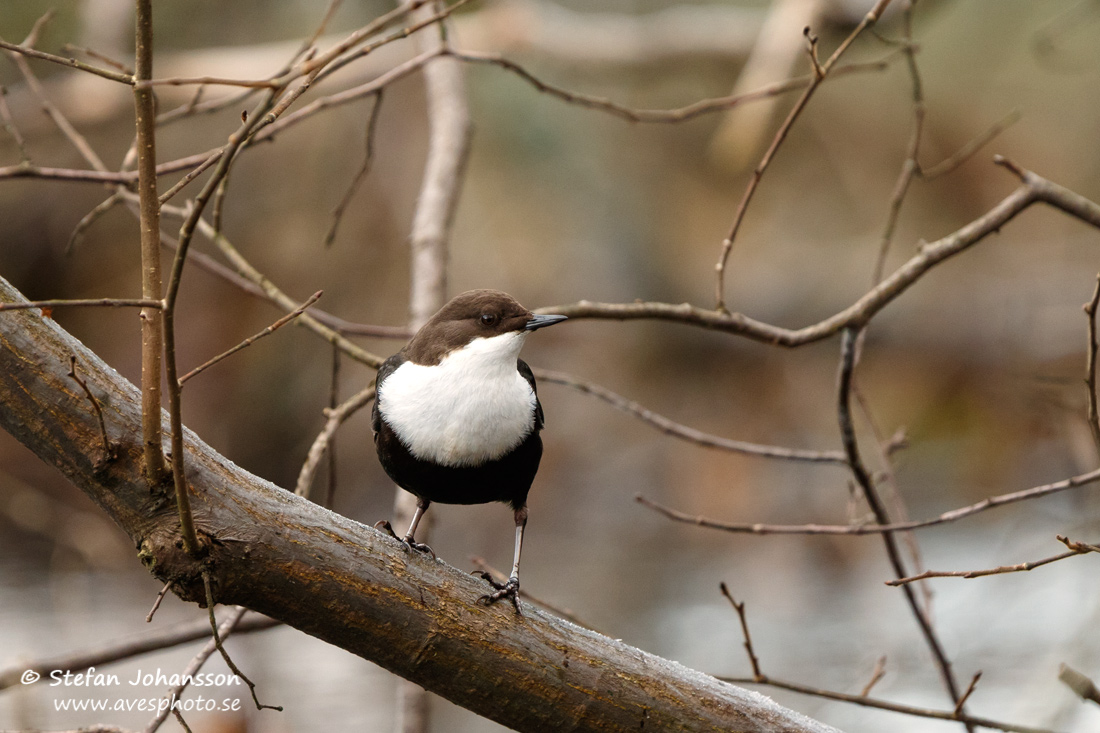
x=1033 y=189
x=84 y=302
x=685 y=432
x=206 y=582
x=361 y=174
x=225 y=629
x=910 y=168
x=821 y=71
x=740 y=609
x=759 y=677
x=91 y=218
x=1090 y=365
x=9 y=125
x=1020 y=567
x=861 y=529
x=1075 y=548
x=966 y=694
x=25 y=50
x=877 y=673
x=108 y=450
x=321 y=443
x=255 y=337
x=156 y=604
x=191 y=175
x=92 y=53
x=77 y=140
x=870 y=495
x=968 y=150
x=870 y=702
x=679 y=114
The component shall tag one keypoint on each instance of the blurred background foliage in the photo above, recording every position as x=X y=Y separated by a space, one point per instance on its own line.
x=981 y=362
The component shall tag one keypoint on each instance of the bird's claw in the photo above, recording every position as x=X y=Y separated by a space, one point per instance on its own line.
x=509 y=590
x=383 y=526
x=408 y=542
x=412 y=544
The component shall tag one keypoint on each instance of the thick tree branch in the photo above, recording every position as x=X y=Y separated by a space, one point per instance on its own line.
x=344 y=582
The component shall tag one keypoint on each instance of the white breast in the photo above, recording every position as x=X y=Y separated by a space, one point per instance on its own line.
x=472 y=407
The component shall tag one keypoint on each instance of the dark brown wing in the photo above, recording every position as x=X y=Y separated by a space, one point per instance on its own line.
x=389 y=366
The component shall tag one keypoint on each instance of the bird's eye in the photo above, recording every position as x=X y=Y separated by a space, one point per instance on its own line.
x=488 y=319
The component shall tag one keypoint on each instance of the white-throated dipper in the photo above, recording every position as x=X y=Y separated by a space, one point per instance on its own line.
x=456 y=419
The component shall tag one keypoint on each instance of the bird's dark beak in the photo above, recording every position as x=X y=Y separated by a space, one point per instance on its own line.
x=540 y=321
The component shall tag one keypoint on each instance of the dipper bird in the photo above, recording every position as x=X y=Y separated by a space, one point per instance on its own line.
x=456 y=419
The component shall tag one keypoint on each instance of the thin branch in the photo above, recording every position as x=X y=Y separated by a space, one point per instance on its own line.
x=348 y=95
x=740 y=609
x=211 y=159
x=239 y=612
x=910 y=168
x=9 y=125
x=968 y=692
x=1093 y=414
x=424 y=20
x=224 y=630
x=108 y=449
x=870 y=495
x=361 y=174
x=877 y=673
x=160 y=598
x=968 y=150
x=865 y=529
x=336 y=418
x=685 y=432
x=676 y=115
x=760 y=678
x=120 y=77
x=1076 y=549
x=821 y=71
x=255 y=337
x=84 y=302
x=77 y=140
x=77 y=237
x=78 y=175
x=175 y=408
x=92 y=53
x=1033 y=189
x=870 y=702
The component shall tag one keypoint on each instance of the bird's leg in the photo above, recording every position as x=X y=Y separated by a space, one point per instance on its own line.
x=421 y=507
x=509 y=590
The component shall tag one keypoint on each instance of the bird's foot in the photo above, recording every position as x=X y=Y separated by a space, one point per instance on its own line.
x=418 y=546
x=409 y=542
x=509 y=590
